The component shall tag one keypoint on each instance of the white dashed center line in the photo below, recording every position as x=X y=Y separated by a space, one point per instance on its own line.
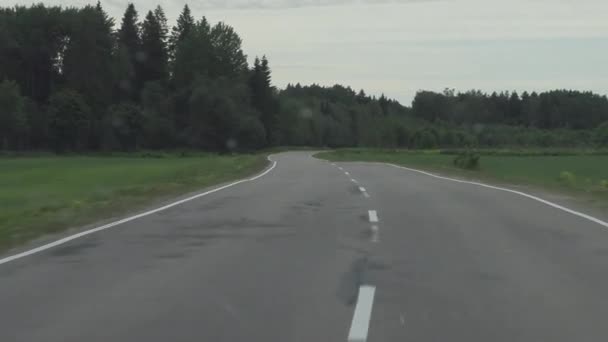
x=364 y=192
x=375 y=234
x=354 y=181
x=347 y=173
x=373 y=216
x=363 y=314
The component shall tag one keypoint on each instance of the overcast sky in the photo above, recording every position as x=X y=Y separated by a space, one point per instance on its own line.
x=398 y=47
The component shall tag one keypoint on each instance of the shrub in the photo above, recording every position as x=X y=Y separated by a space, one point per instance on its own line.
x=250 y=134
x=567 y=178
x=601 y=134
x=158 y=130
x=69 y=120
x=604 y=184
x=13 y=117
x=123 y=126
x=467 y=161
x=425 y=138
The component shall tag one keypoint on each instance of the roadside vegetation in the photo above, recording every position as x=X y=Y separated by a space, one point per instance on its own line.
x=75 y=81
x=49 y=194
x=582 y=173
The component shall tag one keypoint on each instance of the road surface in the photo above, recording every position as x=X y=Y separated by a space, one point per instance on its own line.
x=315 y=251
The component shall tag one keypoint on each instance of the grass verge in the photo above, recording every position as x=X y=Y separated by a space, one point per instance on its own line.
x=584 y=175
x=41 y=195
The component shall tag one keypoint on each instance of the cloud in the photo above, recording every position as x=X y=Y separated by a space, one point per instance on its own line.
x=399 y=46
x=173 y=7
x=269 y=4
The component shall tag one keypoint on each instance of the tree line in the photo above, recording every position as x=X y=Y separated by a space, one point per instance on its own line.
x=72 y=79
x=339 y=117
x=546 y=110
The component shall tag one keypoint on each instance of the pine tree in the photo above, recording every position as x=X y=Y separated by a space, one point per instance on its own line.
x=362 y=97
x=262 y=98
x=265 y=70
x=185 y=24
x=515 y=110
x=129 y=42
x=90 y=52
x=161 y=18
x=257 y=86
x=153 y=46
x=128 y=34
x=383 y=102
x=193 y=55
x=159 y=13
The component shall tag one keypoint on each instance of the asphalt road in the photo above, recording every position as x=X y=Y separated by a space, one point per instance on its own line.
x=283 y=258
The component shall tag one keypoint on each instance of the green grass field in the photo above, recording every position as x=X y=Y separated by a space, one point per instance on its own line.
x=583 y=174
x=40 y=195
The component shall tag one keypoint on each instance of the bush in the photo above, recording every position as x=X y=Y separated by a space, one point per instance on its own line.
x=250 y=135
x=13 y=118
x=601 y=134
x=69 y=120
x=604 y=184
x=425 y=138
x=467 y=161
x=123 y=127
x=567 y=178
x=158 y=129
x=402 y=135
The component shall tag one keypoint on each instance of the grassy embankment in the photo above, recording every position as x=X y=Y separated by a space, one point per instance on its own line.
x=579 y=173
x=46 y=194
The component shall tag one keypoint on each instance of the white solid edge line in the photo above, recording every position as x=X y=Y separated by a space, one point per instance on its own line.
x=520 y=193
x=363 y=313
x=373 y=216
x=131 y=218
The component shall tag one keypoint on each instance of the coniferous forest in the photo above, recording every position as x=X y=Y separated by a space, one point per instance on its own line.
x=76 y=80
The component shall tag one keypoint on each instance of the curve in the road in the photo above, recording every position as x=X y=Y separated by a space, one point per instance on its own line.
x=520 y=193
x=134 y=217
